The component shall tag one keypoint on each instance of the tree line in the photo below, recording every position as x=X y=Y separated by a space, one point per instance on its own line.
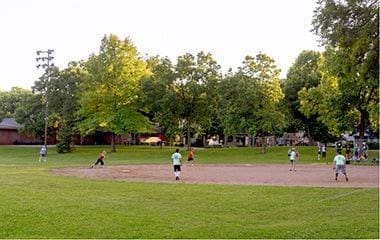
x=118 y=91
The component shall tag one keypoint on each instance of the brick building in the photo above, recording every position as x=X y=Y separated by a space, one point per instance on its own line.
x=10 y=134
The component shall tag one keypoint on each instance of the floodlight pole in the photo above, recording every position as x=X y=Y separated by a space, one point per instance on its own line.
x=47 y=57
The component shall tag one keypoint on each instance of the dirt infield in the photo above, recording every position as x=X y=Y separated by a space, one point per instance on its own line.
x=309 y=175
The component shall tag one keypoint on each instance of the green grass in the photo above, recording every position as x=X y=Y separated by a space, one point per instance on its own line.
x=37 y=204
x=151 y=154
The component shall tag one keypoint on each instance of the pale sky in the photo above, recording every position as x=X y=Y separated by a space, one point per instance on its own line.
x=229 y=29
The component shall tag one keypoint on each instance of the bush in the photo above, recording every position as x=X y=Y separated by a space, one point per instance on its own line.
x=373 y=146
x=63 y=147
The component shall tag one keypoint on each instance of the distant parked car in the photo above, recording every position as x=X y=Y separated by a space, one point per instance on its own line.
x=213 y=143
x=152 y=141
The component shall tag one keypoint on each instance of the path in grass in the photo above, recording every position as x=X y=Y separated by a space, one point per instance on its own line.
x=310 y=175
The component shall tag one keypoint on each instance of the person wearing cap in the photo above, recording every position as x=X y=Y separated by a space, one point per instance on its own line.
x=340 y=165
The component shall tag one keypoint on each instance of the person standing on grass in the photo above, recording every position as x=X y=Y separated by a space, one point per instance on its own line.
x=100 y=159
x=293 y=157
x=42 y=154
x=340 y=165
x=356 y=152
x=176 y=158
x=191 y=156
x=324 y=151
x=348 y=153
x=289 y=151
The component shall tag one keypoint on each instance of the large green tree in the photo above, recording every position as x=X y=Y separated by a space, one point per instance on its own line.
x=109 y=93
x=63 y=102
x=182 y=97
x=158 y=96
x=304 y=74
x=195 y=89
x=249 y=99
x=31 y=115
x=11 y=100
x=350 y=31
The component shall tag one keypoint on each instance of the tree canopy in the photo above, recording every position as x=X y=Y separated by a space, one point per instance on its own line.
x=249 y=98
x=182 y=96
x=109 y=93
x=117 y=91
x=348 y=95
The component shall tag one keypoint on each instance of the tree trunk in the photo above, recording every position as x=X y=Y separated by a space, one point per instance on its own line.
x=188 y=136
x=311 y=141
x=250 y=137
x=113 y=147
x=364 y=116
x=263 y=145
x=225 y=140
x=263 y=142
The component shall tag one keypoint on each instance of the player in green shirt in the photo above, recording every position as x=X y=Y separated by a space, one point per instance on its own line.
x=176 y=158
x=340 y=165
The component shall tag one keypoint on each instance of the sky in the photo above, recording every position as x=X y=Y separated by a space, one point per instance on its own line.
x=229 y=29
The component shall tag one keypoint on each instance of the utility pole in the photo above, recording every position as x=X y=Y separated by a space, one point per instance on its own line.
x=44 y=60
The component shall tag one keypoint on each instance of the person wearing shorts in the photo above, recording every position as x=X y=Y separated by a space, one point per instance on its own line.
x=42 y=154
x=176 y=159
x=293 y=156
x=324 y=150
x=191 y=156
x=340 y=165
x=100 y=159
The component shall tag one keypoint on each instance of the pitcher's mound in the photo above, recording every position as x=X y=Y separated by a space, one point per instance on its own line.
x=245 y=174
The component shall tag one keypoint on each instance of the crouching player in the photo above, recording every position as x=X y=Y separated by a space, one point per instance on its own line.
x=100 y=159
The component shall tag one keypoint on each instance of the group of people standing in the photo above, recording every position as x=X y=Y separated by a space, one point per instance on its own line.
x=322 y=149
x=356 y=155
x=339 y=160
x=293 y=154
x=177 y=162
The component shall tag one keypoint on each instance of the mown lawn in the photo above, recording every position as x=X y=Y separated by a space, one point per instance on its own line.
x=37 y=204
x=151 y=154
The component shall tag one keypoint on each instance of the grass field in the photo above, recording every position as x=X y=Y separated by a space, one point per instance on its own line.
x=34 y=203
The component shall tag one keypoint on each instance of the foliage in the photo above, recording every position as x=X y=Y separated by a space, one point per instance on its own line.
x=350 y=31
x=26 y=107
x=11 y=100
x=249 y=98
x=195 y=90
x=63 y=98
x=111 y=88
x=30 y=113
x=157 y=96
x=183 y=97
x=304 y=74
